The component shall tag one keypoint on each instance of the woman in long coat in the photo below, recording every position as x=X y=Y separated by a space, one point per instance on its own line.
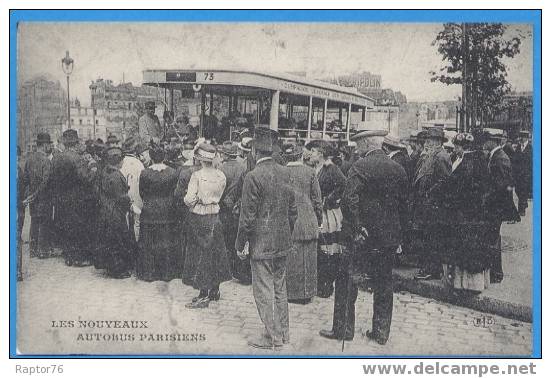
x=466 y=265
x=206 y=264
x=302 y=261
x=331 y=181
x=160 y=257
x=116 y=244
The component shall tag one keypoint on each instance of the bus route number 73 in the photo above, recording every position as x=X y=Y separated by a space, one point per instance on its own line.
x=209 y=76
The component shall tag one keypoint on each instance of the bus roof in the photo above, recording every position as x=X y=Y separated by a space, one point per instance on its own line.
x=180 y=78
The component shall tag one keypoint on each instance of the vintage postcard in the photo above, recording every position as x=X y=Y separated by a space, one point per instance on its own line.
x=275 y=188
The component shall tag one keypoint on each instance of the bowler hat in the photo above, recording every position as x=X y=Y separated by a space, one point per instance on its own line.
x=70 y=136
x=292 y=151
x=205 y=152
x=112 y=139
x=264 y=139
x=228 y=148
x=43 y=138
x=368 y=134
x=435 y=133
x=393 y=142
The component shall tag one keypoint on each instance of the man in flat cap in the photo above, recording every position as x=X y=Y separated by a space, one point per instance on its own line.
x=498 y=205
x=374 y=216
x=149 y=126
x=229 y=215
x=36 y=178
x=429 y=216
x=268 y=214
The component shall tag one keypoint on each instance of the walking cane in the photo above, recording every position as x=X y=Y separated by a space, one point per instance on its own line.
x=348 y=290
x=361 y=238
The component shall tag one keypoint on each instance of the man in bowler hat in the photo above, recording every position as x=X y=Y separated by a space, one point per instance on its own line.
x=268 y=214
x=374 y=207
x=75 y=206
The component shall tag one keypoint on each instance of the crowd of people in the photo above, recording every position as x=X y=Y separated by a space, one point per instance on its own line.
x=297 y=221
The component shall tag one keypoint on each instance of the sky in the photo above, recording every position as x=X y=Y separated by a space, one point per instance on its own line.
x=401 y=53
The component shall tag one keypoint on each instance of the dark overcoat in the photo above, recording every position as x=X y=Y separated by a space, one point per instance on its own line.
x=498 y=200
x=522 y=170
x=234 y=171
x=268 y=212
x=157 y=191
x=463 y=194
x=375 y=197
x=36 y=178
x=116 y=239
x=332 y=182
x=428 y=210
x=72 y=185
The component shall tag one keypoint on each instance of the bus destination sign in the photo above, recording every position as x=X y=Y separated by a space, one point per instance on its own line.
x=186 y=77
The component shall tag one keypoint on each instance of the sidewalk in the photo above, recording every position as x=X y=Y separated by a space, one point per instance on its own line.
x=512 y=298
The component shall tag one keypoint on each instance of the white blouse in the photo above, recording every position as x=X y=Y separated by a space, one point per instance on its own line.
x=205 y=189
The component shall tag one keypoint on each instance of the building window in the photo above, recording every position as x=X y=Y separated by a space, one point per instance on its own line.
x=97 y=122
x=72 y=121
x=80 y=121
x=129 y=106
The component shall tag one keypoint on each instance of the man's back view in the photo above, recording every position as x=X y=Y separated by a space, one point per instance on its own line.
x=268 y=214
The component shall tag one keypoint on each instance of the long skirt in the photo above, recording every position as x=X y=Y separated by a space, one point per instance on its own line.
x=469 y=247
x=206 y=264
x=302 y=274
x=160 y=256
x=330 y=232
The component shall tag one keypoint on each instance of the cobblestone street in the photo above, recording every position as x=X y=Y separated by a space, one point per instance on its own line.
x=52 y=293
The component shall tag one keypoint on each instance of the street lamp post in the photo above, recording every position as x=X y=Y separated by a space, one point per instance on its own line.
x=67 y=64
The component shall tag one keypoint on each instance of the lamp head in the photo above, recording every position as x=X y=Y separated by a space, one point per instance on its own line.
x=67 y=64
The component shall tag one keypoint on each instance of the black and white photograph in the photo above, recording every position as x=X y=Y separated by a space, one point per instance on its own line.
x=275 y=188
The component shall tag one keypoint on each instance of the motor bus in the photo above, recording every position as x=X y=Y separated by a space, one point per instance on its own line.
x=224 y=103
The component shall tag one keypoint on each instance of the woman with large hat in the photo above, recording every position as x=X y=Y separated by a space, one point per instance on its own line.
x=301 y=272
x=206 y=262
x=159 y=256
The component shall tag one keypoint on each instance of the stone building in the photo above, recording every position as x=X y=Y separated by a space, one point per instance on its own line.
x=89 y=122
x=41 y=107
x=121 y=105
